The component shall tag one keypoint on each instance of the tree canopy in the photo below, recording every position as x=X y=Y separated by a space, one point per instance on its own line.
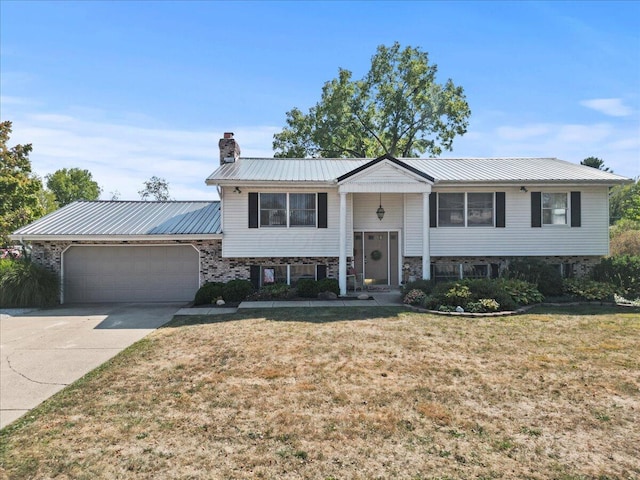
x=69 y=185
x=20 y=187
x=156 y=188
x=396 y=108
x=595 y=162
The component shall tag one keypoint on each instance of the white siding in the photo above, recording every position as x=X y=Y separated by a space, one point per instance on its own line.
x=365 y=206
x=413 y=225
x=518 y=238
x=241 y=241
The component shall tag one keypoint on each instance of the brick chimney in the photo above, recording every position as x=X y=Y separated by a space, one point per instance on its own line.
x=229 y=149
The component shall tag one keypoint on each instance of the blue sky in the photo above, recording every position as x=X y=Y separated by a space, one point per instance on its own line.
x=131 y=89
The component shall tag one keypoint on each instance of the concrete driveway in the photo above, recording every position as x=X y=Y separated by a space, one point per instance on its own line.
x=43 y=351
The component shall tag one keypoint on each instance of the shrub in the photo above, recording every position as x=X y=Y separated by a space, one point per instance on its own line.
x=621 y=271
x=307 y=288
x=329 y=285
x=591 y=290
x=483 y=305
x=208 y=293
x=625 y=243
x=424 y=285
x=534 y=270
x=236 y=290
x=458 y=294
x=274 y=292
x=520 y=291
x=415 y=297
x=25 y=284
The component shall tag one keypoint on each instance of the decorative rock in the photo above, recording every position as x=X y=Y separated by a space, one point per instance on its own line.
x=220 y=302
x=459 y=309
x=327 y=296
x=363 y=296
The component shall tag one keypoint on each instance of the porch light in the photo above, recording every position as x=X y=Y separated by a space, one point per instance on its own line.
x=380 y=211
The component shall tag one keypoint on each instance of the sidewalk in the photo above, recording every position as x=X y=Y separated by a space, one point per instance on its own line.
x=380 y=299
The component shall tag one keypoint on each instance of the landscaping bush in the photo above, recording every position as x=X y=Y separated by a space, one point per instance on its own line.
x=424 y=285
x=625 y=243
x=236 y=290
x=586 y=289
x=473 y=295
x=415 y=297
x=307 y=288
x=208 y=293
x=520 y=291
x=621 y=271
x=533 y=270
x=329 y=285
x=25 y=284
x=277 y=291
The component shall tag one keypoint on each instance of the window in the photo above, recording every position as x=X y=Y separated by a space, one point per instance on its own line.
x=298 y=272
x=475 y=271
x=451 y=209
x=273 y=274
x=465 y=210
x=554 y=208
x=273 y=209
x=302 y=209
x=479 y=209
x=446 y=272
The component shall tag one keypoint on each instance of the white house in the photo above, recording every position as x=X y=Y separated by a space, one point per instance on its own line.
x=383 y=220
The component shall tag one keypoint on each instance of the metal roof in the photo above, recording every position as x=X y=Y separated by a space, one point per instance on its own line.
x=128 y=218
x=443 y=170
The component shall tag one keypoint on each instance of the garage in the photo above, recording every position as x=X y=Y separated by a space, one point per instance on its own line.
x=127 y=273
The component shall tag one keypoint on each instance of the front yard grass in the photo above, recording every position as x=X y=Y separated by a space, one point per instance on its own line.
x=350 y=393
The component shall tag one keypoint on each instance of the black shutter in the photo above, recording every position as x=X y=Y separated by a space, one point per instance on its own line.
x=576 y=215
x=321 y=272
x=536 y=209
x=254 y=276
x=322 y=210
x=433 y=210
x=253 y=210
x=500 y=209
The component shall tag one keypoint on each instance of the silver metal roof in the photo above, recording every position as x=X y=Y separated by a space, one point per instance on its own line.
x=125 y=218
x=443 y=170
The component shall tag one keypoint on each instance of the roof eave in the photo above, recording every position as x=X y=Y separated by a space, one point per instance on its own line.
x=113 y=238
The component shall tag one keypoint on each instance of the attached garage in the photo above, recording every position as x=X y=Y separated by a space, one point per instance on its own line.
x=125 y=251
x=115 y=273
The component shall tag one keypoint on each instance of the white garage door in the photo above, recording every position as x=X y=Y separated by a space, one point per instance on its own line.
x=165 y=273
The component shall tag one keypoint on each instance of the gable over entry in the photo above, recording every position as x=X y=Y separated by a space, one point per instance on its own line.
x=385 y=174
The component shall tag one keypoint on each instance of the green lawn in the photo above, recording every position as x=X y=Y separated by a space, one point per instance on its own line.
x=351 y=393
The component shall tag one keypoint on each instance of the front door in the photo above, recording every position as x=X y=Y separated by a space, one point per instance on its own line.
x=376 y=261
x=375 y=255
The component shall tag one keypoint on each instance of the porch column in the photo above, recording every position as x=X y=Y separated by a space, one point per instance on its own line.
x=342 y=260
x=426 y=254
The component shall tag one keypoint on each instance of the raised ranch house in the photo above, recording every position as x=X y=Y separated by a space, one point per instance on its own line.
x=380 y=221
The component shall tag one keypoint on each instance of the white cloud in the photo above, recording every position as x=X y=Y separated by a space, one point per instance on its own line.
x=609 y=106
x=618 y=146
x=121 y=157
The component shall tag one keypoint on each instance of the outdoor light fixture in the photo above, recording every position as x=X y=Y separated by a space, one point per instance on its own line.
x=237 y=190
x=523 y=189
x=380 y=211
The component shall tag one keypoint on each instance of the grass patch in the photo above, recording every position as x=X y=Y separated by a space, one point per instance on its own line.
x=350 y=393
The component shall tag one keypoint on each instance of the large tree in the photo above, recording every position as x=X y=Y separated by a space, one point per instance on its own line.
x=397 y=108
x=595 y=162
x=156 y=188
x=19 y=186
x=69 y=185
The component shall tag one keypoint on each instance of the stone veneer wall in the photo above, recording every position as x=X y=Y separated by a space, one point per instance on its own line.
x=582 y=265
